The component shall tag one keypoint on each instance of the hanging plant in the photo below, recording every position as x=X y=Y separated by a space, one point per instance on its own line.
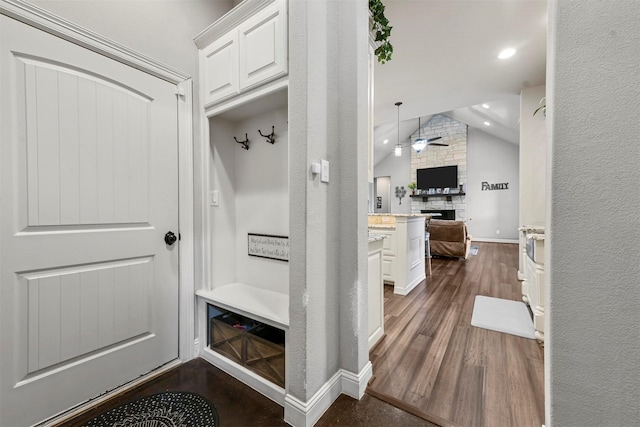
x=382 y=30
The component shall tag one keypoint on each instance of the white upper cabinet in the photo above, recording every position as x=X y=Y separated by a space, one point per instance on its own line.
x=245 y=48
x=220 y=68
x=262 y=40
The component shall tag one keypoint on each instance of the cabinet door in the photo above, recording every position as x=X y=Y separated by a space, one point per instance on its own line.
x=263 y=46
x=376 y=298
x=220 y=68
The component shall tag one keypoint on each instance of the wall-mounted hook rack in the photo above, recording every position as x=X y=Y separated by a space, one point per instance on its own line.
x=245 y=143
x=271 y=138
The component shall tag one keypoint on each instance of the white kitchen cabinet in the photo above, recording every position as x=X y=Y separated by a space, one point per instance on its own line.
x=389 y=255
x=244 y=49
x=376 y=289
x=403 y=251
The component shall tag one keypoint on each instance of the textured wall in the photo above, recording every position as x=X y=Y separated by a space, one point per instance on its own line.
x=328 y=54
x=593 y=347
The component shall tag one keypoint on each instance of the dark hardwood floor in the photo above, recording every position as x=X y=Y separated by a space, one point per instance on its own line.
x=434 y=364
x=241 y=406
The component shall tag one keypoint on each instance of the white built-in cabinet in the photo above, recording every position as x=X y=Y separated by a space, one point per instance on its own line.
x=243 y=303
x=403 y=251
x=389 y=251
x=244 y=49
x=375 y=290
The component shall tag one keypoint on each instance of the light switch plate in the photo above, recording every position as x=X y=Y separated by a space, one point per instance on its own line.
x=324 y=175
x=214 y=198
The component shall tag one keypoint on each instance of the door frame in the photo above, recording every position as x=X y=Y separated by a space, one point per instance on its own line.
x=52 y=24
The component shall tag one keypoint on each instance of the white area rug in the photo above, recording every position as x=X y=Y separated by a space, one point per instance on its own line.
x=510 y=317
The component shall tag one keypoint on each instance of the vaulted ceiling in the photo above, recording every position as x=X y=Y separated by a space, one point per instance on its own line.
x=445 y=60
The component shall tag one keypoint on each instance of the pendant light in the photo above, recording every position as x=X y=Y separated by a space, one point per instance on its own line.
x=419 y=143
x=397 y=151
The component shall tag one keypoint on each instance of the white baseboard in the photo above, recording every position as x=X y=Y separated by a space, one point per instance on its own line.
x=244 y=375
x=299 y=413
x=488 y=240
x=405 y=291
x=354 y=385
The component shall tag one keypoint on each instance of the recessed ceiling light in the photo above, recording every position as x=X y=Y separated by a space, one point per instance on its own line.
x=485 y=105
x=385 y=141
x=507 y=53
x=487 y=124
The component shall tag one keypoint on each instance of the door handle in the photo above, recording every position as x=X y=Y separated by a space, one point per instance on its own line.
x=170 y=238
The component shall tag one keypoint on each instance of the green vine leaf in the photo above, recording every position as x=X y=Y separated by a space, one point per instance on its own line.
x=542 y=107
x=382 y=30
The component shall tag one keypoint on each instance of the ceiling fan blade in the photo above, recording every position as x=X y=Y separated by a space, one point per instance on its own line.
x=436 y=144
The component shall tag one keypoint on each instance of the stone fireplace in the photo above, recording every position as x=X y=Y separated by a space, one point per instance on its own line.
x=453 y=133
x=448 y=214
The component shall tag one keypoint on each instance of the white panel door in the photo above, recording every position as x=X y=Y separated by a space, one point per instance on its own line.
x=88 y=189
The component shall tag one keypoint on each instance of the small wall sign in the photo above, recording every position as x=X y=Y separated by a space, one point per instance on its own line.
x=268 y=246
x=489 y=187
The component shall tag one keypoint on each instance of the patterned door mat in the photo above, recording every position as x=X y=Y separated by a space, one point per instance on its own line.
x=168 y=409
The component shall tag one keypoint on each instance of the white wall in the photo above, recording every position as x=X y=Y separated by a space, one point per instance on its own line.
x=253 y=192
x=262 y=197
x=592 y=355
x=160 y=29
x=223 y=217
x=399 y=169
x=492 y=160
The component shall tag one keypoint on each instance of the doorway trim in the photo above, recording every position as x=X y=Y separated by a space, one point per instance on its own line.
x=52 y=24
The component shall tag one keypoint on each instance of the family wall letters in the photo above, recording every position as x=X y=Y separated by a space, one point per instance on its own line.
x=501 y=186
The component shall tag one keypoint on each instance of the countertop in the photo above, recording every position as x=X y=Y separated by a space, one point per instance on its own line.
x=400 y=215
x=373 y=237
x=389 y=226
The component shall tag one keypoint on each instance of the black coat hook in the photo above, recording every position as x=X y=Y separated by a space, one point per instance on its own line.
x=271 y=139
x=245 y=143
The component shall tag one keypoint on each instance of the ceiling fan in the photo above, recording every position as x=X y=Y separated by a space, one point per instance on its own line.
x=420 y=143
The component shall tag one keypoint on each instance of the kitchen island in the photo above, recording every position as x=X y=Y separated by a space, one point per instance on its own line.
x=403 y=251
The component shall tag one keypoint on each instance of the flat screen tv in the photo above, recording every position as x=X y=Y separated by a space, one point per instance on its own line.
x=442 y=177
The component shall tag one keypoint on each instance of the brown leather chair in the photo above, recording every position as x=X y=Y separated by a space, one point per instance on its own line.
x=449 y=238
